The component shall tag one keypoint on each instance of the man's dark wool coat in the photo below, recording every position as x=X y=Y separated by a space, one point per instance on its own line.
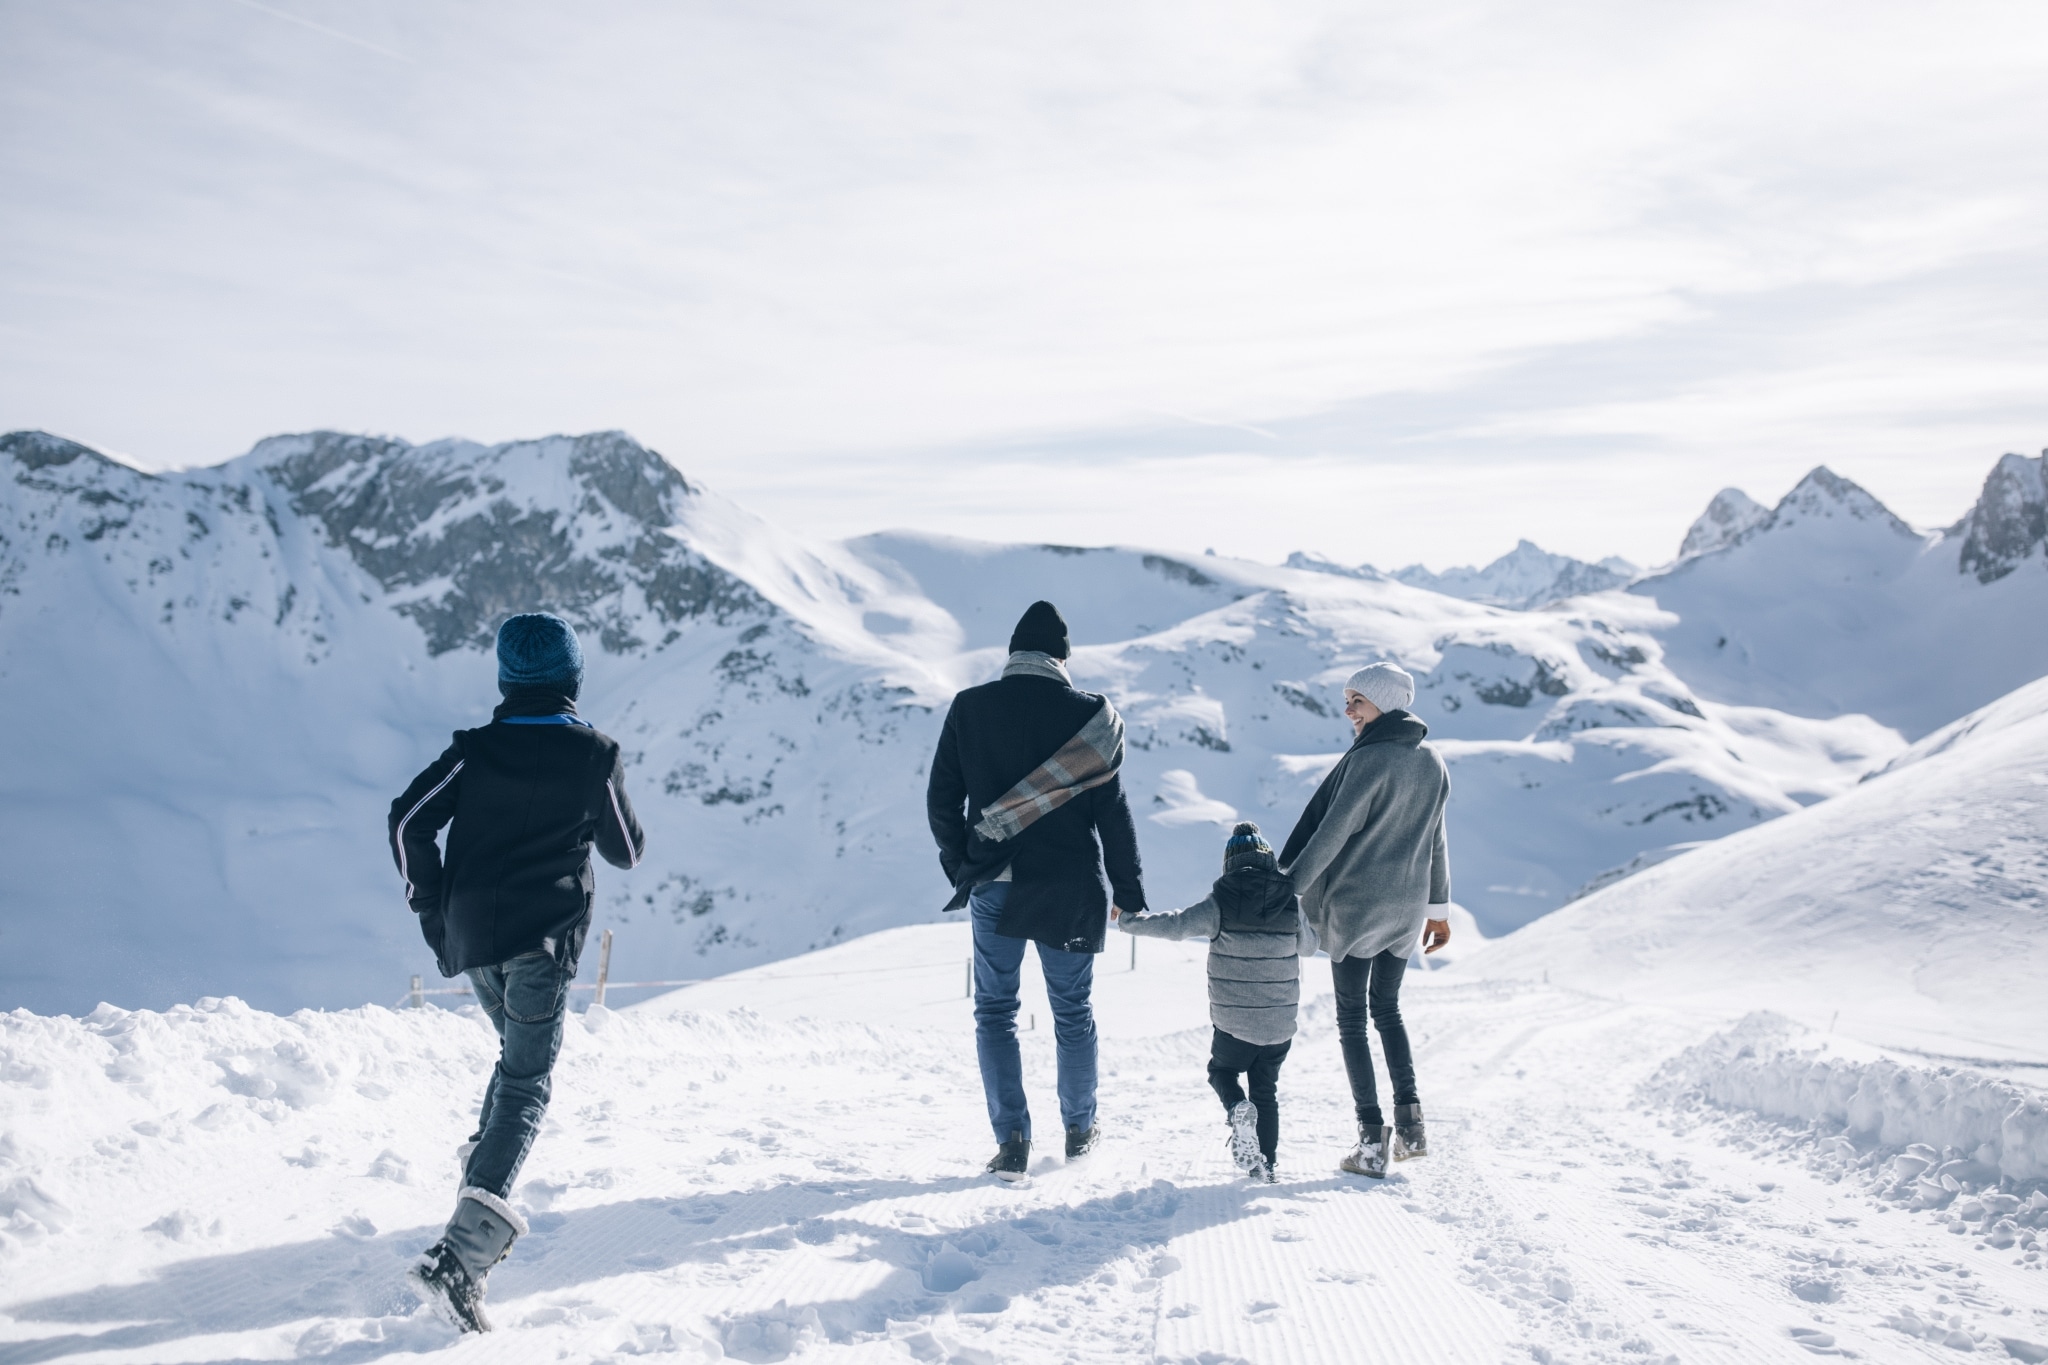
x=527 y=802
x=995 y=735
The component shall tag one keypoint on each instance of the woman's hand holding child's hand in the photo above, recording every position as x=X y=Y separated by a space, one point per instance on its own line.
x=1435 y=934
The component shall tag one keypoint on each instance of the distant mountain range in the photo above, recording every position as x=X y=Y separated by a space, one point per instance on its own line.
x=220 y=677
x=1526 y=577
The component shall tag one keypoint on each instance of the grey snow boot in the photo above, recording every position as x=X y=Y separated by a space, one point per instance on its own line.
x=450 y=1276
x=1012 y=1159
x=443 y=1285
x=1244 y=1140
x=1369 y=1157
x=1409 y=1138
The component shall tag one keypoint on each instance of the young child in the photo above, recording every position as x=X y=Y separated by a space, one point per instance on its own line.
x=1257 y=938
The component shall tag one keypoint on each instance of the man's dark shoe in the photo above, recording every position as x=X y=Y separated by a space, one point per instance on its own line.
x=1081 y=1141
x=1012 y=1159
x=439 y=1278
x=1410 y=1138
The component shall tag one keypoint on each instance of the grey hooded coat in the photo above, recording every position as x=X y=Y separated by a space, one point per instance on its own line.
x=1369 y=855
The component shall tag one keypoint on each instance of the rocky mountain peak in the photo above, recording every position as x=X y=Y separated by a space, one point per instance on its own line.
x=1525 y=578
x=1730 y=516
x=2009 y=522
x=1824 y=495
x=41 y=450
x=467 y=533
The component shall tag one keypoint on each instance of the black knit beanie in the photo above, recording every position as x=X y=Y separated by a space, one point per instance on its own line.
x=1042 y=629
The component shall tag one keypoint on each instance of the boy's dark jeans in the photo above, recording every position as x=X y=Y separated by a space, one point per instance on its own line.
x=1230 y=1055
x=1369 y=988
x=526 y=999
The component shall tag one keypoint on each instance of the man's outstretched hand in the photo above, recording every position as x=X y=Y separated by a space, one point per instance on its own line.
x=1435 y=934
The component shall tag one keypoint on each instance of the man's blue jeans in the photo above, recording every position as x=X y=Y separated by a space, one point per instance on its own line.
x=1069 y=978
x=526 y=999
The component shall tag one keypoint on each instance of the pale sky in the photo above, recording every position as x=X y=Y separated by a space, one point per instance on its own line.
x=1391 y=282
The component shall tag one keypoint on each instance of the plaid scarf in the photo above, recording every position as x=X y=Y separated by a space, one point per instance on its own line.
x=1088 y=760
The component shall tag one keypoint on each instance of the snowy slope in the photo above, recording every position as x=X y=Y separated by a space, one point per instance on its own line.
x=1911 y=912
x=1831 y=604
x=797 y=1180
x=233 y=669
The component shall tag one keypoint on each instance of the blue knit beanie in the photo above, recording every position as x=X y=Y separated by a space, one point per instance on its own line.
x=1246 y=847
x=539 y=650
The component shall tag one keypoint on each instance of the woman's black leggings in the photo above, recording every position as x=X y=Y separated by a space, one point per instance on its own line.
x=1370 y=988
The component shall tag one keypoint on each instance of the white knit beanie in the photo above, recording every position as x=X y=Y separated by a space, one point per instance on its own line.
x=1387 y=686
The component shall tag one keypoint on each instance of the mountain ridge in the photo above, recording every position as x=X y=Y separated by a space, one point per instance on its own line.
x=239 y=665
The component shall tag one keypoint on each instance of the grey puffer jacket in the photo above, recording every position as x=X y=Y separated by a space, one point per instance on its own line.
x=1370 y=855
x=1257 y=938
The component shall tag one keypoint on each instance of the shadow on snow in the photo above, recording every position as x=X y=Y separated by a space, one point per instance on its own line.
x=345 y=1278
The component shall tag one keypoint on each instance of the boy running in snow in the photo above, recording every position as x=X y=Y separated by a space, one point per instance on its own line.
x=1257 y=938
x=528 y=795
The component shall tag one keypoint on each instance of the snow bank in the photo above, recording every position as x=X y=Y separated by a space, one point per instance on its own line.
x=1768 y=1064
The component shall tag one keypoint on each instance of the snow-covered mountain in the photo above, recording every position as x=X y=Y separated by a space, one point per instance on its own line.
x=1829 y=603
x=232 y=670
x=1525 y=578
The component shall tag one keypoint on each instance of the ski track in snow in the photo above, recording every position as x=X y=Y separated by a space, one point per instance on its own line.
x=217 y=1184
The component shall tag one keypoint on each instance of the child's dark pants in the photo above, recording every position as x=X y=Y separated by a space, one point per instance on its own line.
x=1260 y=1063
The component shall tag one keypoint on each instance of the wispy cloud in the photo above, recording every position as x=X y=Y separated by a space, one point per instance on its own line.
x=877 y=263
x=304 y=22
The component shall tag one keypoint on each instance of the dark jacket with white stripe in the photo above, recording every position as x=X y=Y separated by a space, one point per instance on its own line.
x=1257 y=938
x=526 y=801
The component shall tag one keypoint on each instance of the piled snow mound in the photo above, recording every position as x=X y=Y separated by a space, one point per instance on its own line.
x=1916 y=906
x=1772 y=1066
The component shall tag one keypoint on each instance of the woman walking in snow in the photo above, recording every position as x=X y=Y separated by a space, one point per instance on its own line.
x=1369 y=857
x=1257 y=939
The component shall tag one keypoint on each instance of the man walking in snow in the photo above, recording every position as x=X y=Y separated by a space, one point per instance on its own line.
x=1022 y=787
x=528 y=795
x=1369 y=857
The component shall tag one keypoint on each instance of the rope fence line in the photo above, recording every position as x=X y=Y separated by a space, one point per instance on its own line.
x=415 y=998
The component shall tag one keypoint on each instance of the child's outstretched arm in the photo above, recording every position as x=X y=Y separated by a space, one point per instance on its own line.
x=1200 y=920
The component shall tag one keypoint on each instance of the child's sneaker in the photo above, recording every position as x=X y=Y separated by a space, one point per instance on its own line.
x=1244 y=1139
x=1369 y=1157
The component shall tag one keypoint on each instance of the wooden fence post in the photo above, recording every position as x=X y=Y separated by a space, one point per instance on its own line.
x=604 y=965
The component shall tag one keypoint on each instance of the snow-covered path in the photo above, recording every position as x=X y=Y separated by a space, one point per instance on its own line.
x=797 y=1179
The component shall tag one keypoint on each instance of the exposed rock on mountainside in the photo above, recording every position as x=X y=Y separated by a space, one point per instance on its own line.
x=2009 y=524
x=435 y=525
x=1731 y=515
